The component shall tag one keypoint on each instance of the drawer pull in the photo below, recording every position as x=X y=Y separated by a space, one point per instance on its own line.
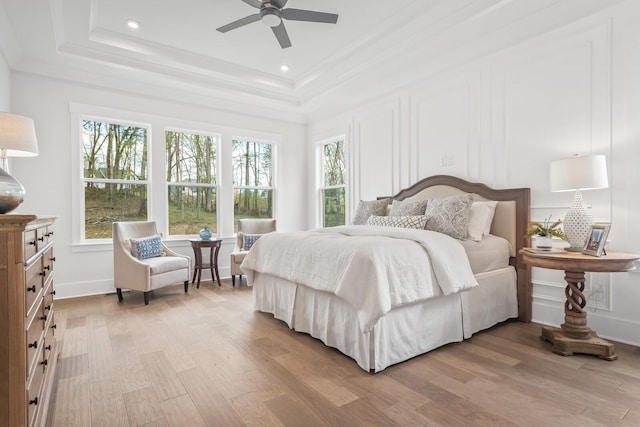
x=54 y=326
x=44 y=362
x=53 y=292
x=41 y=239
x=47 y=267
x=48 y=347
x=43 y=273
x=53 y=259
x=47 y=307
x=33 y=344
x=32 y=243
x=49 y=234
x=34 y=401
x=32 y=289
x=43 y=317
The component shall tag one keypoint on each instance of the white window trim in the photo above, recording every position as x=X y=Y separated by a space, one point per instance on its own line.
x=157 y=209
x=320 y=177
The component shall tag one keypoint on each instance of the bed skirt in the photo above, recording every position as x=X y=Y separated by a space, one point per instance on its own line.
x=401 y=334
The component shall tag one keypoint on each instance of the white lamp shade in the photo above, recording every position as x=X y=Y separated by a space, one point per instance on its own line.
x=579 y=173
x=17 y=136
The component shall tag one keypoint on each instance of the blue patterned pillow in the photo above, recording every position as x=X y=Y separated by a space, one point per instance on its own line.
x=146 y=247
x=248 y=240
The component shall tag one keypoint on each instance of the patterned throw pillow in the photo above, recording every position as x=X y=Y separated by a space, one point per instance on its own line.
x=248 y=240
x=146 y=247
x=413 y=221
x=408 y=207
x=366 y=209
x=449 y=215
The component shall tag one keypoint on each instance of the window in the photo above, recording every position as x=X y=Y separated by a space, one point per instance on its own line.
x=332 y=190
x=115 y=157
x=252 y=164
x=191 y=182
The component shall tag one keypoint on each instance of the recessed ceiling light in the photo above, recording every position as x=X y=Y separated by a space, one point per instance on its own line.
x=284 y=68
x=134 y=25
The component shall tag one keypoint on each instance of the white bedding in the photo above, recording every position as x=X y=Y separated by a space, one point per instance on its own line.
x=490 y=253
x=373 y=269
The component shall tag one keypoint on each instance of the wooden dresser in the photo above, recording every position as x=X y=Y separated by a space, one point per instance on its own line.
x=28 y=348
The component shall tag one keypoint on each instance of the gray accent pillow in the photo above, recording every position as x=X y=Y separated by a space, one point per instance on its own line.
x=366 y=209
x=408 y=207
x=449 y=215
x=413 y=221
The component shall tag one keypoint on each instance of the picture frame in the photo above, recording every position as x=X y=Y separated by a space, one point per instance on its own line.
x=597 y=238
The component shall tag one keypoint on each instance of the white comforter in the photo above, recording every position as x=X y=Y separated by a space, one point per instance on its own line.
x=374 y=269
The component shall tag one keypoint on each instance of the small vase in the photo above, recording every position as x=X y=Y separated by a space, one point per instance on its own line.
x=205 y=233
x=11 y=192
x=544 y=243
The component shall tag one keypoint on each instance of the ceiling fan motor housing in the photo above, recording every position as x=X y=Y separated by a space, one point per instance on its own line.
x=271 y=15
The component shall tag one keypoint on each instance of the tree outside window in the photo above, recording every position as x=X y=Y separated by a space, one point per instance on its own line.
x=192 y=182
x=252 y=180
x=115 y=175
x=333 y=184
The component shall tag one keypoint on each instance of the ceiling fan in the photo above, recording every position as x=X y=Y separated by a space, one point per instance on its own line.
x=272 y=13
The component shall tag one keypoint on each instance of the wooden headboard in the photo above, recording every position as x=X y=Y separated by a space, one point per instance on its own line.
x=510 y=221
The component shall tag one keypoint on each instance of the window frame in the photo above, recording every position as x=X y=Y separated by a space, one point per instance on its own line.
x=272 y=188
x=320 y=222
x=217 y=146
x=157 y=207
x=83 y=180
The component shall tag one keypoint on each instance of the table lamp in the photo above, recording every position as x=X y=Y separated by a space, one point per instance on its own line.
x=17 y=139
x=578 y=174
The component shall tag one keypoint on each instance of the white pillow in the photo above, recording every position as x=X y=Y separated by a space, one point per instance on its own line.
x=480 y=219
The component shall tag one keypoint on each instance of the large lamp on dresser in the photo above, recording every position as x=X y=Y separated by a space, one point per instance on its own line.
x=17 y=139
x=578 y=173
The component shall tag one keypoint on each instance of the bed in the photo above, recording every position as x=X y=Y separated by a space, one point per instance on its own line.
x=448 y=298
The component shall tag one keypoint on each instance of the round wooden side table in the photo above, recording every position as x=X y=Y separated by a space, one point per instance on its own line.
x=214 y=246
x=574 y=336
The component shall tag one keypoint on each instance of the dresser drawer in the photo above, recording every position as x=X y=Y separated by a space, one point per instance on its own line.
x=49 y=337
x=30 y=244
x=47 y=262
x=35 y=328
x=33 y=389
x=33 y=284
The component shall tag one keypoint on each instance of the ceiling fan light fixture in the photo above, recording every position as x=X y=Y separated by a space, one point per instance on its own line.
x=271 y=16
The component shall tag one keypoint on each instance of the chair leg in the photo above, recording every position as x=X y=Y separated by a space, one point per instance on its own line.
x=186 y=286
x=146 y=297
x=119 y=292
x=233 y=280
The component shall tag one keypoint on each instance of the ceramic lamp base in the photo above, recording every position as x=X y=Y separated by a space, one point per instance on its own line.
x=577 y=224
x=11 y=192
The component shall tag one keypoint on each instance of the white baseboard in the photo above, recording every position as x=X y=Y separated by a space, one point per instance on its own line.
x=606 y=326
x=84 y=289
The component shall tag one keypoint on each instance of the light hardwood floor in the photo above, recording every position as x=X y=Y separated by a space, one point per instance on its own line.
x=206 y=359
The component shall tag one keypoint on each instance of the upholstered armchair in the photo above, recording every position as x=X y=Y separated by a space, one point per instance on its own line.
x=142 y=262
x=248 y=229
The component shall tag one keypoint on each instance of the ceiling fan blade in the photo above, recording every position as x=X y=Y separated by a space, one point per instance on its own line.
x=309 y=16
x=239 y=23
x=278 y=3
x=254 y=3
x=281 y=34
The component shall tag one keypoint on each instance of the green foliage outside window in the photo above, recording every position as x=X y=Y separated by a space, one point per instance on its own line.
x=115 y=159
x=192 y=177
x=252 y=180
x=333 y=191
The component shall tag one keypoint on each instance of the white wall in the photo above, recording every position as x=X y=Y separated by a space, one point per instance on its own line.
x=48 y=178
x=501 y=120
x=5 y=85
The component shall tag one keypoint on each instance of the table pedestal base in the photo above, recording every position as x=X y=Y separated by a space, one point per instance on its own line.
x=566 y=346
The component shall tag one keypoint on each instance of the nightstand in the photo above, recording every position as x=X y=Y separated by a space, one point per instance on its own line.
x=574 y=336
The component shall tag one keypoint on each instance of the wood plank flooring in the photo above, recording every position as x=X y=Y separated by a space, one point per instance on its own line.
x=207 y=359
